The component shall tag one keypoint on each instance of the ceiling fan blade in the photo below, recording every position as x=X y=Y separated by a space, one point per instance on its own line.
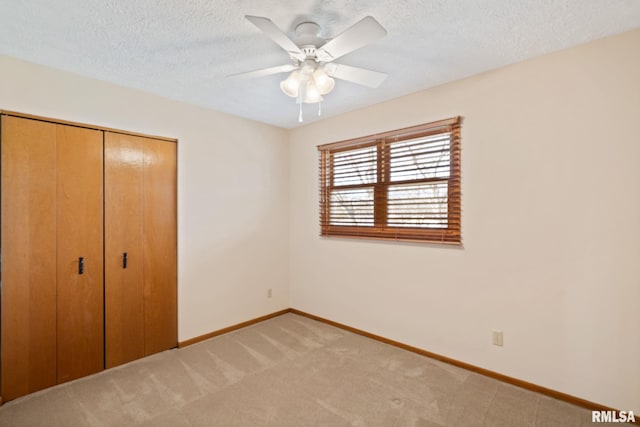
x=267 y=26
x=359 y=34
x=358 y=75
x=264 y=72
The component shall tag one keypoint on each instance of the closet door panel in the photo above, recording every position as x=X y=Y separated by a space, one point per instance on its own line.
x=124 y=305
x=160 y=253
x=28 y=240
x=80 y=235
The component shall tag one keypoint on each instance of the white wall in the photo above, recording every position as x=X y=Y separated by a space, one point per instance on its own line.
x=551 y=227
x=232 y=189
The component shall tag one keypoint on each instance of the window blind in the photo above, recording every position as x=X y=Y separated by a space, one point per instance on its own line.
x=403 y=184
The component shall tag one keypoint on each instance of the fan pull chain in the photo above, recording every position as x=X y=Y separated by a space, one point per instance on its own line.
x=300 y=106
x=319 y=108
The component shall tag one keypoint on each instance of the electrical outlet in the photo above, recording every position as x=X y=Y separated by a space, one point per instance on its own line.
x=497 y=337
x=269 y=293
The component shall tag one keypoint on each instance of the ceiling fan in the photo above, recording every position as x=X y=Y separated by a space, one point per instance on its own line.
x=312 y=66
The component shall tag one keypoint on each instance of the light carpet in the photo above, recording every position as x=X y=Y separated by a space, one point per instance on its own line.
x=289 y=371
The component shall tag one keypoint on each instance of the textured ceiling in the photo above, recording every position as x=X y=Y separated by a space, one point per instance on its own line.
x=183 y=49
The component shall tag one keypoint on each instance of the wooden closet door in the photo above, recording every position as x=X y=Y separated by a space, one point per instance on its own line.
x=80 y=234
x=124 y=304
x=28 y=241
x=160 y=252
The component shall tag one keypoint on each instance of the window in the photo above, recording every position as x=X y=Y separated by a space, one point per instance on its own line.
x=403 y=184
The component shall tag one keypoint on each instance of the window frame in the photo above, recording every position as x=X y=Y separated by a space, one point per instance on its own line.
x=451 y=234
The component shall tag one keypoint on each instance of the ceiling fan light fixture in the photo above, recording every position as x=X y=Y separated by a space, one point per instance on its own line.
x=311 y=93
x=312 y=59
x=291 y=85
x=324 y=83
x=308 y=86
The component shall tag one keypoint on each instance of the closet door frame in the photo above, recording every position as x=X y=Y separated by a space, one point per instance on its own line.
x=163 y=341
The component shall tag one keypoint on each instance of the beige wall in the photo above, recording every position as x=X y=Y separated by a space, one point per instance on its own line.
x=551 y=227
x=232 y=189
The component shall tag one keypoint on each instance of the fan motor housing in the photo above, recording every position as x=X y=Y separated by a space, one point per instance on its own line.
x=308 y=36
